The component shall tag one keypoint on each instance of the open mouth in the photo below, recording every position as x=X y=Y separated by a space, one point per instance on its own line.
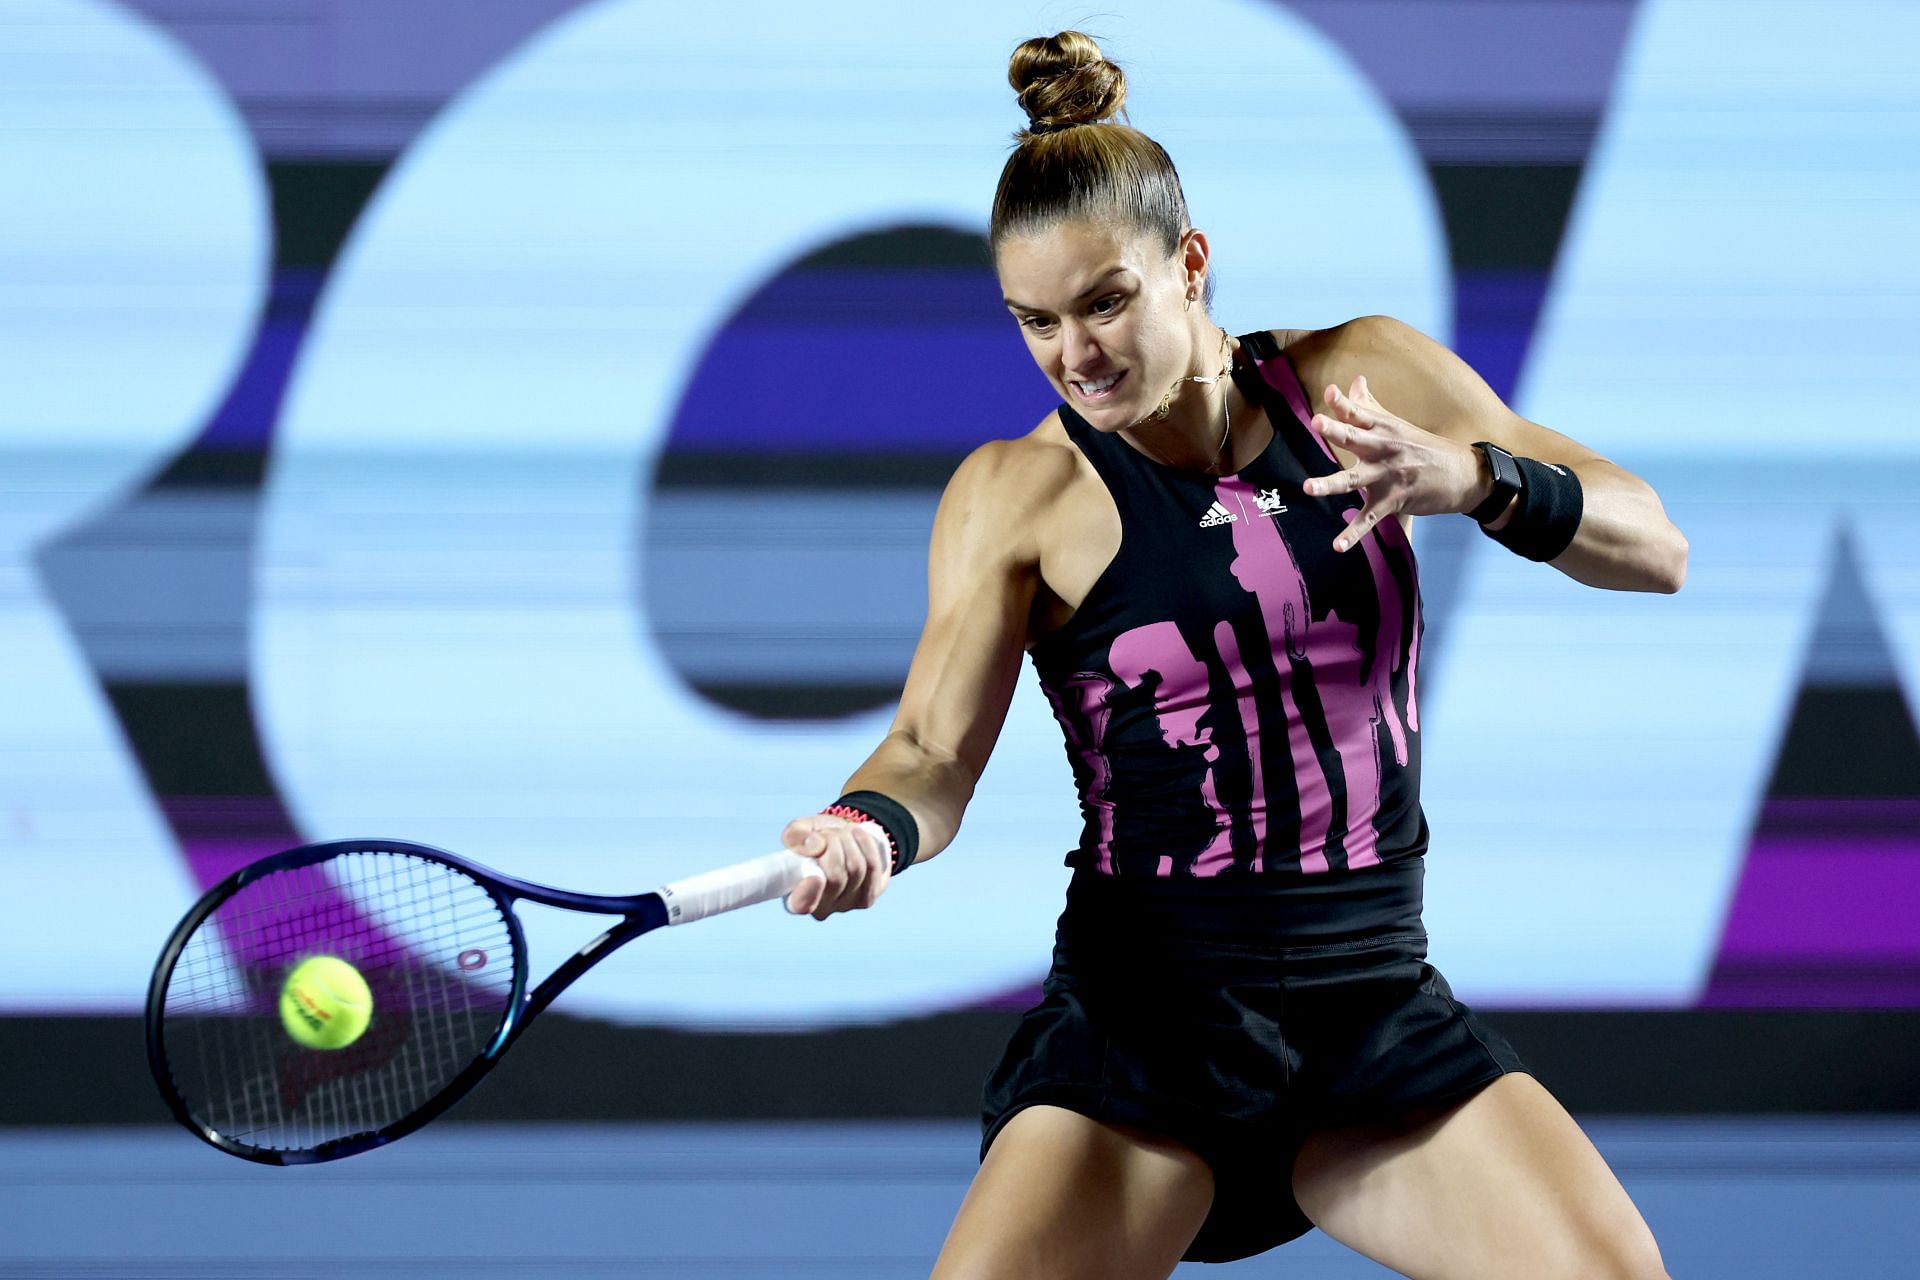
x=1095 y=392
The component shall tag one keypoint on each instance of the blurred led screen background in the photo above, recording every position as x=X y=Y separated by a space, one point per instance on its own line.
x=517 y=427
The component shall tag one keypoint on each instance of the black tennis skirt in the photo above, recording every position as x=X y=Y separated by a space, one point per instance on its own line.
x=1236 y=1017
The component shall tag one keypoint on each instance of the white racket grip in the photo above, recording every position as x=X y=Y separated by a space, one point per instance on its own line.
x=741 y=885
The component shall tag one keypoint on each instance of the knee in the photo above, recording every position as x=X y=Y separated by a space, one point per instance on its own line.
x=1635 y=1258
x=976 y=1267
x=1641 y=1270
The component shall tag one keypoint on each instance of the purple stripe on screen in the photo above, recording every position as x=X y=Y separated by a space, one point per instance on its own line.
x=1861 y=817
x=1824 y=912
x=861 y=299
x=1826 y=898
x=1805 y=987
x=900 y=361
x=891 y=389
x=1494 y=315
x=220 y=834
x=1024 y=996
x=246 y=419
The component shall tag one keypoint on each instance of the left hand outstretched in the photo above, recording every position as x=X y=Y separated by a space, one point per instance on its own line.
x=1403 y=468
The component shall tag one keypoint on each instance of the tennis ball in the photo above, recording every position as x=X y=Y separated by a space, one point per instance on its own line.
x=325 y=1003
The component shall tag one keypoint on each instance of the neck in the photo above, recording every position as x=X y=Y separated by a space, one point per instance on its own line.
x=1203 y=412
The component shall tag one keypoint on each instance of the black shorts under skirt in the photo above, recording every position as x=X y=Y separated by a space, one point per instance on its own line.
x=1235 y=1017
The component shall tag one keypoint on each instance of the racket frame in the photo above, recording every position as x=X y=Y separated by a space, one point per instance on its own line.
x=639 y=913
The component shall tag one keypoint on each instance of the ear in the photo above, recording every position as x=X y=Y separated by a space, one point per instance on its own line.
x=1193 y=253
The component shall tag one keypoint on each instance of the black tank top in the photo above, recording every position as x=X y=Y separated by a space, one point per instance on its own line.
x=1238 y=697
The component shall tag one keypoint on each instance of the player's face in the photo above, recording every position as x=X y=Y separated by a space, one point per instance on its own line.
x=1103 y=312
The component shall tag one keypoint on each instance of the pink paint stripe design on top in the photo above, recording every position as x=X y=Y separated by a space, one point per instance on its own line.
x=1265 y=566
x=1413 y=649
x=1085 y=725
x=1179 y=702
x=1229 y=648
x=1387 y=641
x=1279 y=374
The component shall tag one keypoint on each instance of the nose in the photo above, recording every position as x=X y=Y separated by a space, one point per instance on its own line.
x=1077 y=347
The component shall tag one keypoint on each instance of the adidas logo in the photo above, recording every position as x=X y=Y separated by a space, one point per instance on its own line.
x=1217 y=514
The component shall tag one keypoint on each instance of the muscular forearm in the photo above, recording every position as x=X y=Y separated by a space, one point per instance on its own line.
x=934 y=788
x=1625 y=541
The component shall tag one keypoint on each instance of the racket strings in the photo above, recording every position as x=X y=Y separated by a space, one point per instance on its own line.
x=437 y=956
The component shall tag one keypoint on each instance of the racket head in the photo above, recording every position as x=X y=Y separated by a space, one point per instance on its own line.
x=441 y=951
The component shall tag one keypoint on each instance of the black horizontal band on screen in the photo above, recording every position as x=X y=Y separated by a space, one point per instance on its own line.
x=89 y=1070
x=767 y=469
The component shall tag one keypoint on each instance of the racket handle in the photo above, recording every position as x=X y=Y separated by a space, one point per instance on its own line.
x=773 y=875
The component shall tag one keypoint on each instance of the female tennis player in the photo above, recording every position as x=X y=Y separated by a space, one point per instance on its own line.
x=1205 y=550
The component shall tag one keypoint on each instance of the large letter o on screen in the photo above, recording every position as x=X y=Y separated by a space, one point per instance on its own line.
x=447 y=646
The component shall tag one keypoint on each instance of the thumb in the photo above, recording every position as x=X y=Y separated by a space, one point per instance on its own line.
x=802 y=836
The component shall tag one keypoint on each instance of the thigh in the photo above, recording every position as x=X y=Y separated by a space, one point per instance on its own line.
x=1063 y=1196
x=1502 y=1185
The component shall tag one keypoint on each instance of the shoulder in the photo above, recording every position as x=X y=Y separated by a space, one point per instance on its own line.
x=1006 y=489
x=1033 y=463
x=1409 y=373
x=1363 y=338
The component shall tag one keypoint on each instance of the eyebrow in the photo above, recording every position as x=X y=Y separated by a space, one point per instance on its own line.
x=1105 y=276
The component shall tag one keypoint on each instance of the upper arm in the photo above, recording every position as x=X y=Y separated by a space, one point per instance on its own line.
x=982 y=572
x=1423 y=382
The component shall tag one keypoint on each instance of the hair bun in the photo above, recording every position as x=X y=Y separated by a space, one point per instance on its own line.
x=1063 y=80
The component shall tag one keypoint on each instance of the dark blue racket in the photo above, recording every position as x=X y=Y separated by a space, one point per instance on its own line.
x=436 y=942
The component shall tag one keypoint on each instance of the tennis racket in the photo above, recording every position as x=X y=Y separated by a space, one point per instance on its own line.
x=445 y=962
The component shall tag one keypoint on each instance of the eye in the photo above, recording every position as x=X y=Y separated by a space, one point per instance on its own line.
x=1114 y=299
x=1035 y=323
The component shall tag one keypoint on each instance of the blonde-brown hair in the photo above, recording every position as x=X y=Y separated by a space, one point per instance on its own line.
x=1072 y=160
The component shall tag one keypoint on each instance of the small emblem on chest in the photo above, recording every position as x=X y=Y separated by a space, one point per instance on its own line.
x=1269 y=501
x=1217 y=514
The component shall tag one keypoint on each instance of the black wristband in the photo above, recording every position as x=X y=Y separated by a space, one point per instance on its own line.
x=903 y=833
x=1547 y=513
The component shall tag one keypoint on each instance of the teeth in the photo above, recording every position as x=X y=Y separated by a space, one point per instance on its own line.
x=1095 y=388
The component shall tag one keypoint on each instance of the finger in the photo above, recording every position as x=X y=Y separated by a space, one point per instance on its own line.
x=854 y=859
x=816 y=891
x=1354 y=435
x=879 y=863
x=834 y=863
x=857 y=867
x=1352 y=410
x=805 y=896
x=795 y=833
x=1346 y=481
x=1357 y=530
x=867 y=866
x=799 y=837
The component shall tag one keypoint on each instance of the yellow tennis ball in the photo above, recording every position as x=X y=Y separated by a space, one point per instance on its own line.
x=325 y=1003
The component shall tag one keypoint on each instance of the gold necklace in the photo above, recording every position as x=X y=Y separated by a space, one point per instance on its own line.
x=1166 y=402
